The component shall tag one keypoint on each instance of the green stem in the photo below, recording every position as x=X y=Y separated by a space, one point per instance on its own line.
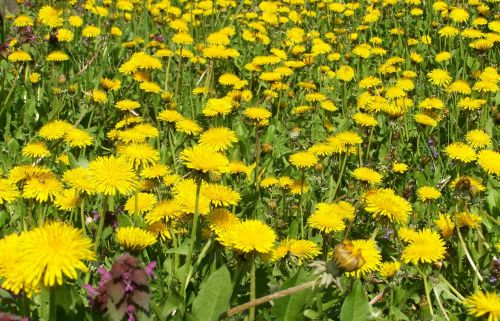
x=251 y=314
x=301 y=210
x=102 y=218
x=451 y=287
x=82 y=216
x=467 y=254
x=52 y=304
x=193 y=230
x=427 y=292
x=334 y=193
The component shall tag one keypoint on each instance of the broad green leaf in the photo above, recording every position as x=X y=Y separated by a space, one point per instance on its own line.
x=355 y=306
x=289 y=308
x=214 y=295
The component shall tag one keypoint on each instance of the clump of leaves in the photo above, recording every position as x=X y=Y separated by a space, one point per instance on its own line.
x=123 y=291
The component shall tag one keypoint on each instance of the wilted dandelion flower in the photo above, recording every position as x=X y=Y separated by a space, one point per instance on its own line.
x=426 y=193
x=489 y=161
x=468 y=219
x=460 y=151
x=112 y=175
x=484 y=304
x=357 y=257
x=218 y=138
x=445 y=225
x=204 y=159
x=384 y=202
x=134 y=239
x=425 y=246
x=303 y=159
x=367 y=174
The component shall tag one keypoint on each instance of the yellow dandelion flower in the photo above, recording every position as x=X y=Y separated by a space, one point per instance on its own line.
x=385 y=203
x=489 y=161
x=303 y=159
x=220 y=195
x=426 y=193
x=134 y=239
x=145 y=203
x=484 y=304
x=425 y=246
x=252 y=236
x=35 y=150
x=367 y=174
x=112 y=175
x=460 y=151
x=139 y=154
x=201 y=158
x=389 y=269
x=477 y=138
x=218 y=138
x=8 y=191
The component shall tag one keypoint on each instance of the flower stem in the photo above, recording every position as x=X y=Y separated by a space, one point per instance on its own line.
x=102 y=218
x=467 y=254
x=193 y=231
x=251 y=315
x=427 y=292
x=52 y=304
x=334 y=193
x=82 y=216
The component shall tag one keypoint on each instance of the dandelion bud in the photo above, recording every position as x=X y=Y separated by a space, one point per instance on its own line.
x=61 y=79
x=267 y=148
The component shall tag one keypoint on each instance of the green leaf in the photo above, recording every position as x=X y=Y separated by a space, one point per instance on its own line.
x=397 y=314
x=213 y=298
x=355 y=307
x=289 y=308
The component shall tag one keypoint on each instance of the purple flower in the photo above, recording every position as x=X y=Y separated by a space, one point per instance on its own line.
x=124 y=288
